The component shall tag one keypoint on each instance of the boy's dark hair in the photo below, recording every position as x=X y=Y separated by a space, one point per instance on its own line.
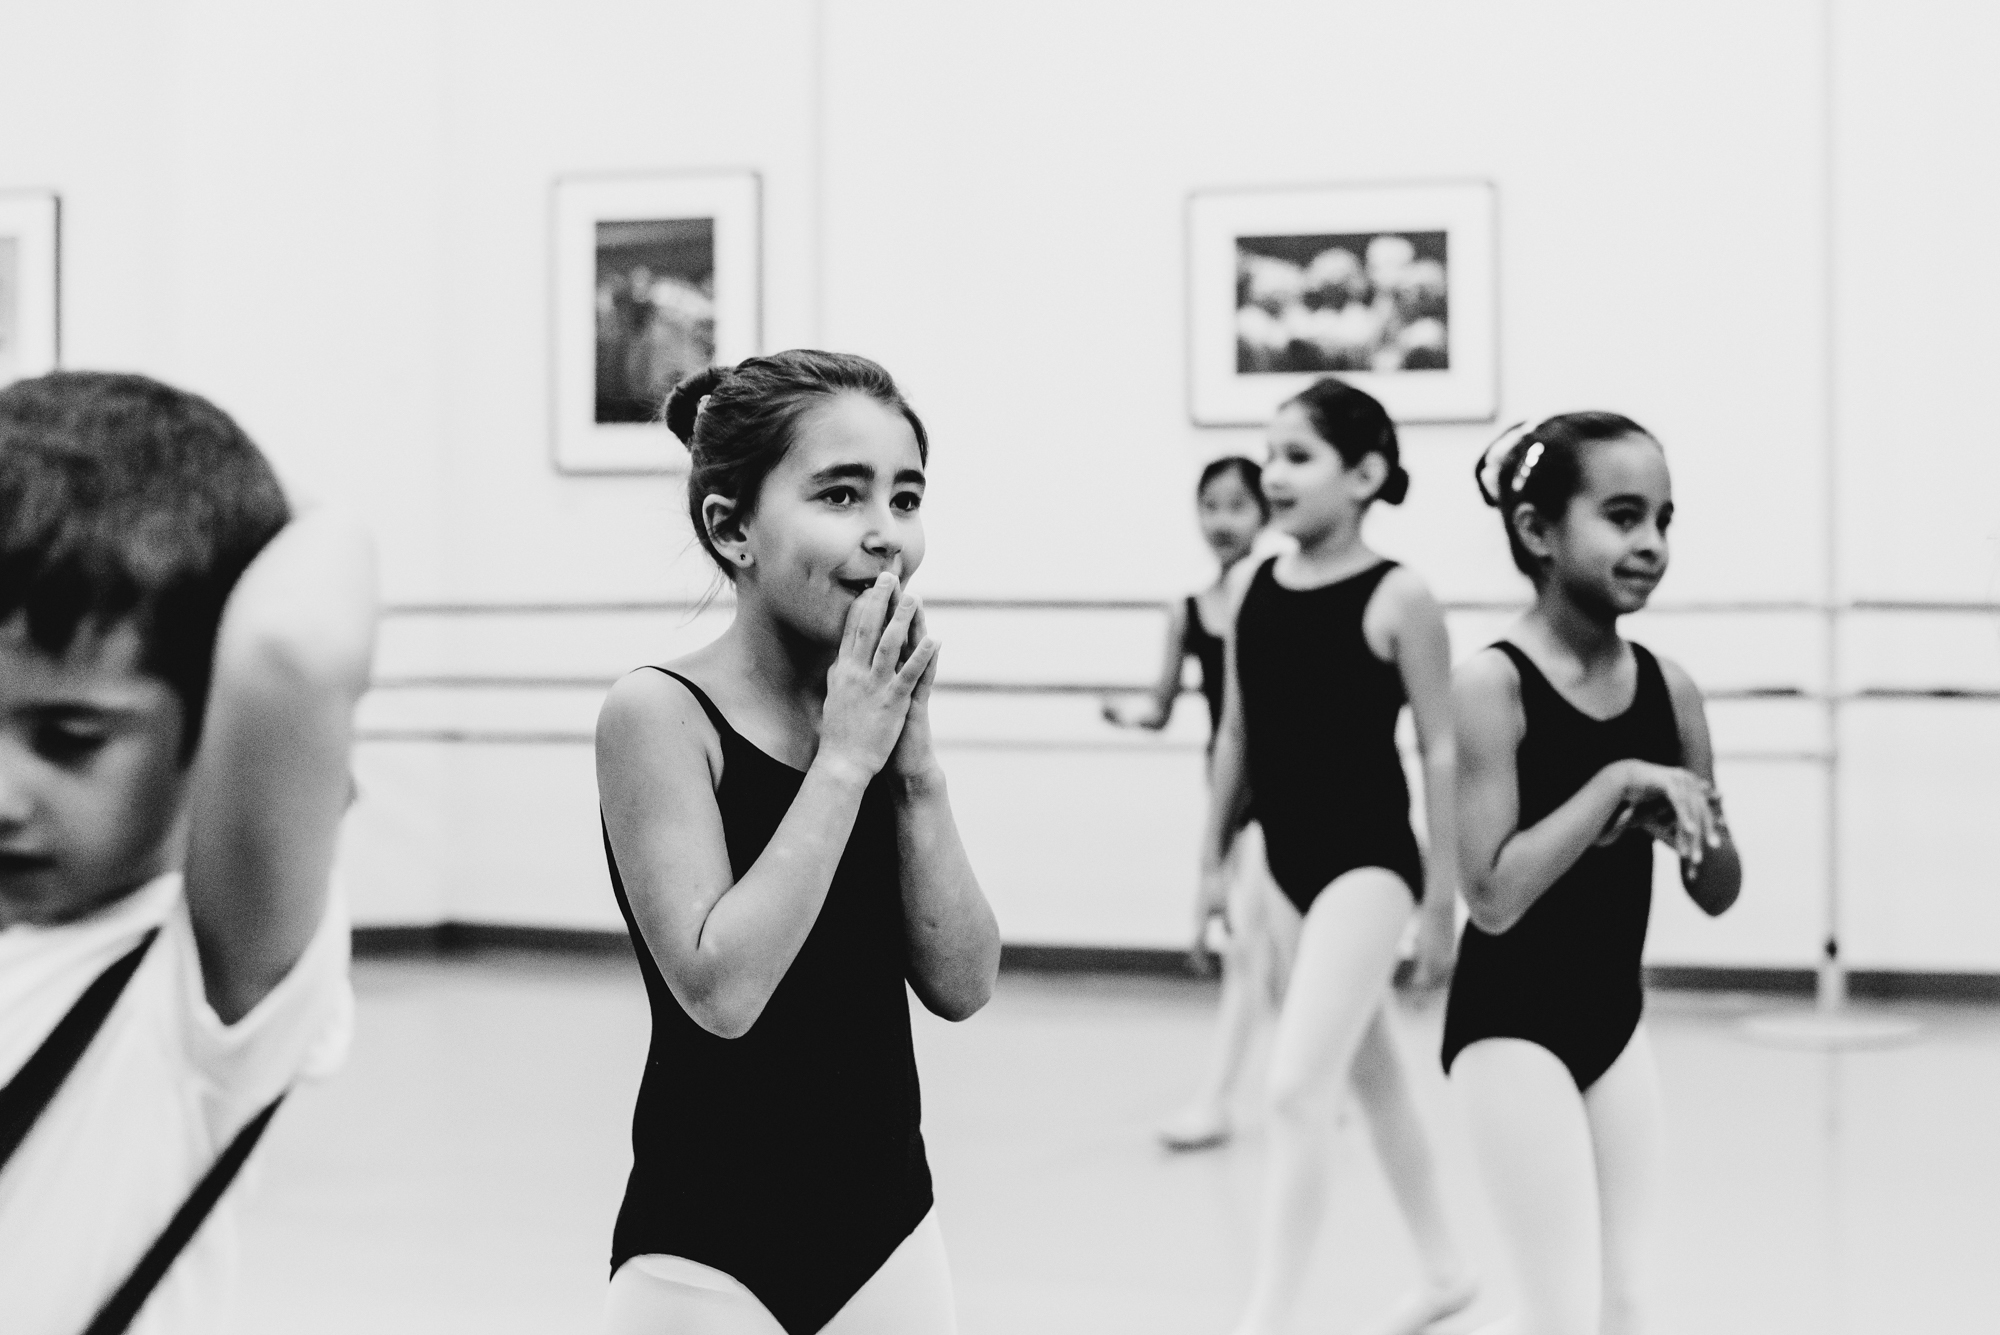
x=1356 y=426
x=739 y=421
x=1541 y=464
x=1247 y=472
x=126 y=500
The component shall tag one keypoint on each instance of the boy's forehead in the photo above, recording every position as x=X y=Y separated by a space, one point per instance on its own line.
x=101 y=663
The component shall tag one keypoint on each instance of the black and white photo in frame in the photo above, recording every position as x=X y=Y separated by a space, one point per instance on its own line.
x=1392 y=287
x=30 y=284
x=655 y=277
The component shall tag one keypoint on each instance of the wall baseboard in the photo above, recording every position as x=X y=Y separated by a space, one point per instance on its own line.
x=458 y=938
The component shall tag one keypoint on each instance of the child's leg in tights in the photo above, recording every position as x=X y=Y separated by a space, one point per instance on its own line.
x=1346 y=953
x=667 y=1295
x=910 y=1295
x=1534 y=1145
x=1624 y=1111
x=1382 y=1087
x=659 y=1295
x=1246 y=983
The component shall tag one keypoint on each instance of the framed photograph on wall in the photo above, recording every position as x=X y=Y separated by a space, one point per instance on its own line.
x=1389 y=286
x=30 y=284
x=655 y=277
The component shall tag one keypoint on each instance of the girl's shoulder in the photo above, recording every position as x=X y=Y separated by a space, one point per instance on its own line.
x=1486 y=699
x=658 y=705
x=1681 y=687
x=1491 y=670
x=1403 y=589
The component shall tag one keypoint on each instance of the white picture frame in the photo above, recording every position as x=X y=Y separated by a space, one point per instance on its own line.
x=653 y=276
x=1408 y=310
x=30 y=284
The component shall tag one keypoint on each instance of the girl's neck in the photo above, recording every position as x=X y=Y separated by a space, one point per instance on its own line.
x=780 y=665
x=1332 y=549
x=1223 y=568
x=1590 y=636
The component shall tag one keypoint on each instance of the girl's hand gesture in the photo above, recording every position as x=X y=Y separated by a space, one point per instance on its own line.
x=869 y=686
x=1675 y=806
x=913 y=757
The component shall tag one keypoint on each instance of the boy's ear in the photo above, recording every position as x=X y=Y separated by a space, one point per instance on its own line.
x=1533 y=531
x=724 y=522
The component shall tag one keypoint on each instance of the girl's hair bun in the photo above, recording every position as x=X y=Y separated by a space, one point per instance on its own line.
x=684 y=403
x=1395 y=487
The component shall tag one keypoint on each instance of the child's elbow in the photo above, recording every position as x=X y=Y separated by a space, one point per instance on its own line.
x=963 y=992
x=967 y=1000
x=725 y=1012
x=1485 y=910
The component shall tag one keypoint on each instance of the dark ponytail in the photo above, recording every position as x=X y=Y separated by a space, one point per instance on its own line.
x=1356 y=426
x=1541 y=464
x=739 y=422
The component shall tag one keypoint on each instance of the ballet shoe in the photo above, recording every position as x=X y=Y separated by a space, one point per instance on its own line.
x=1423 y=1310
x=1196 y=1129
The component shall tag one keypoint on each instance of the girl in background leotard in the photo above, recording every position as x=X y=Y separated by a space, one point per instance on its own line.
x=1230 y=506
x=784 y=853
x=1577 y=751
x=1328 y=644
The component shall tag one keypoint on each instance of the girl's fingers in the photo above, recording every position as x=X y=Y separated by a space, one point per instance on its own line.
x=918 y=665
x=1694 y=825
x=895 y=637
x=864 y=622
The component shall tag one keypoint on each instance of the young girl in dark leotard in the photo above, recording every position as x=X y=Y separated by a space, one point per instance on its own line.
x=1328 y=645
x=1230 y=505
x=1577 y=750
x=785 y=856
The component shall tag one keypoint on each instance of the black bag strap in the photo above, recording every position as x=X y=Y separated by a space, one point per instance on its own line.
x=34 y=1086
x=118 y=1312
x=36 y=1083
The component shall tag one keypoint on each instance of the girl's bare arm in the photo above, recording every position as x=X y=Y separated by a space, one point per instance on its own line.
x=1423 y=658
x=1505 y=871
x=1715 y=880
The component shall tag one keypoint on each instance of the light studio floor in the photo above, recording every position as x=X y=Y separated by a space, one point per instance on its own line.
x=460 y=1175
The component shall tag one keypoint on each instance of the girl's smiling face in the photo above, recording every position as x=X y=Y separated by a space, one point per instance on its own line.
x=1230 y=517
x=1312 y=490
x=842 y=506
x=1609 y=550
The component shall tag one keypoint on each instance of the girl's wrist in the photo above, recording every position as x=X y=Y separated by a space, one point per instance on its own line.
x=920 y=782
x=840 y=770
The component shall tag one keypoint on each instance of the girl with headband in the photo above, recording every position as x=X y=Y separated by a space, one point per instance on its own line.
x=1578 y=750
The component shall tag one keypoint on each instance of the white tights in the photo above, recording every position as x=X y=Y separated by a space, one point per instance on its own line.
x=1332 y=1034
x=1573 y=1177
x=1255 y=965
x=669 y=1295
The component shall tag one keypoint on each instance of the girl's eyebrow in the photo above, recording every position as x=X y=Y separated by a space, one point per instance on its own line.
x=841 y=473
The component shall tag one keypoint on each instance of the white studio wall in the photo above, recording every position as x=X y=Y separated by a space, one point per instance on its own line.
x=334 y=220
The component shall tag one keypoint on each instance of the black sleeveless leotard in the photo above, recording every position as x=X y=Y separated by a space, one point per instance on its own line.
x=1319 y=727
x=1567 y=975
x=1208 y=651
x=789 y=1158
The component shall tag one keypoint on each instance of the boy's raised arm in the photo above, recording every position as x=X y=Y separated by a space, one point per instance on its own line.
x=271 y=777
